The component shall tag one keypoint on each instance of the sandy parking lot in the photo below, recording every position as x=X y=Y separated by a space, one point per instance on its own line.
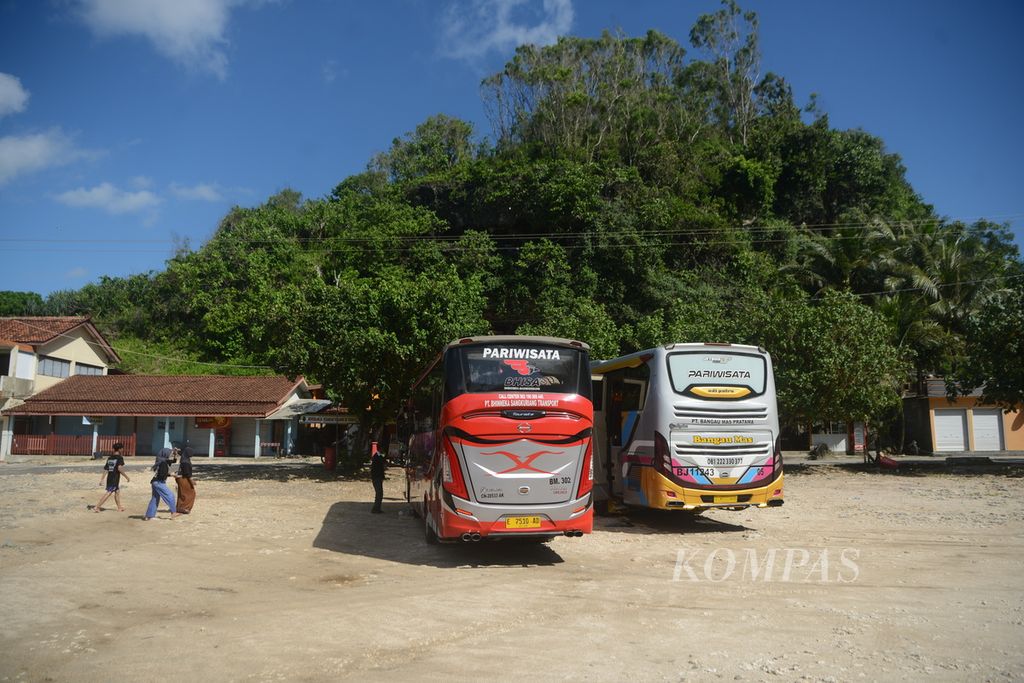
x=282 y=574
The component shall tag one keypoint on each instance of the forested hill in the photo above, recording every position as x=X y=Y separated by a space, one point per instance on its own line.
x=630 y=193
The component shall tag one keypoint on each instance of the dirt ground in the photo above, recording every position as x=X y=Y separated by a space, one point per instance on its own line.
x=281 y=573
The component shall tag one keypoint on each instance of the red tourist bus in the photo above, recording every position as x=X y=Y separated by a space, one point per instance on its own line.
x=497 y=438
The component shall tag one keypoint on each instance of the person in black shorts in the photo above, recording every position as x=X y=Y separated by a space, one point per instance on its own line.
x=112 y=471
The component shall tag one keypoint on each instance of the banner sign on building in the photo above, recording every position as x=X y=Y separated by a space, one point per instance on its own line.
x=212 y=422
x=329 y=419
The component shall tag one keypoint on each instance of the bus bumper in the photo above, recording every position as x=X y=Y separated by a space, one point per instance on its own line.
x=573 y=518
x=665 y=495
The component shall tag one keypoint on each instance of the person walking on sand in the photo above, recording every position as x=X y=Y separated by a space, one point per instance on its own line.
x=113 y=469
x=159 y=484
x=186 y=487
x=377 y=476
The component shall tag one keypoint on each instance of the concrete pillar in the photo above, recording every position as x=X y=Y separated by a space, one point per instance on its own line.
x=286 y=447
x=95 y=437
x=167 y=432
x=213 y=442
x=6 y=437
x=259 y=424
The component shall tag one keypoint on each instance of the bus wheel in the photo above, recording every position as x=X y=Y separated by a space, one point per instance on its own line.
x=428 y=531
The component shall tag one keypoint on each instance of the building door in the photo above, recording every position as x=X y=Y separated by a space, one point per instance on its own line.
x=174 y=427
x=950 y=430
x=988 y=429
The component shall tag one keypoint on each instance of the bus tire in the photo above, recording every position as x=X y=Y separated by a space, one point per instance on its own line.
x=428 y=531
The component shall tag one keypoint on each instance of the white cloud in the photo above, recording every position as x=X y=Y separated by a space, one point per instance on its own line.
x=110 y=198
x=141 y=182
x=473 y=29
x=76 y=273
x=190 y=32
x=203 y=192
x=20 y=154
x=329 y=71
x=13 y=96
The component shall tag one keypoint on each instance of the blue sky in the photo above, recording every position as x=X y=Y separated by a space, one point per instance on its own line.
x=130 y=126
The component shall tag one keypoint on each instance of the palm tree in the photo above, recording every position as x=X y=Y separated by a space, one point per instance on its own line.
x=849 y=258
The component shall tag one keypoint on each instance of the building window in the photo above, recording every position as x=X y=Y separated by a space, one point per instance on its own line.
x=25 y=366
x=829 y=428
x=85 y=369
x=54 y=367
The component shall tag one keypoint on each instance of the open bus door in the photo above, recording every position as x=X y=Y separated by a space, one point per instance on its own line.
x=603 y=470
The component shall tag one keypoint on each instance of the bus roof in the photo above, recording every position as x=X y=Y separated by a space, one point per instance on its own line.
x=519 y=339
x=632 y=360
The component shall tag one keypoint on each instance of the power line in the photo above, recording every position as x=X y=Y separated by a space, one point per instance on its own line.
x=945 y=223
x=940 y=286
x=451 y=245
x=266 y=367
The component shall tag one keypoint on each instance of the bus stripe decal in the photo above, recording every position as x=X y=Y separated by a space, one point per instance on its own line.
x=474 y=439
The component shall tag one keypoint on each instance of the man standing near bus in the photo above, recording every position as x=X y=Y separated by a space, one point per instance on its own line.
x=377 y=476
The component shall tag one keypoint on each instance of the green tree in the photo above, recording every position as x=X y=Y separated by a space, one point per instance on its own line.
x=589 y=98
x=828 y=177
x=20 y=303
x=836 y=361
x=233 y=293
x=367 y=338
x=731 y=39
x=994 y=349
x=439 y=144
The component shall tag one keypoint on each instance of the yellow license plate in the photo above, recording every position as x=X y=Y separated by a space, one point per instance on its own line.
x=522 y=522
x=726 y=499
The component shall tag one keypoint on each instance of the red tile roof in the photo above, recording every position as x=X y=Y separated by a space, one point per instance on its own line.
x=37 y=330
x=163 y=396
x=42 y=329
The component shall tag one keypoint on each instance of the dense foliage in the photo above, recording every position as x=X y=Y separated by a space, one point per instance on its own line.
x=632 y=196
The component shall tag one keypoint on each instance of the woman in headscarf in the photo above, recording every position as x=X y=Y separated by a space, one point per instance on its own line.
x=186 y=487
x=161 y=470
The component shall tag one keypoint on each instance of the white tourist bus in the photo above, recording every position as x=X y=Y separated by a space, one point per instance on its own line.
x=687 y=427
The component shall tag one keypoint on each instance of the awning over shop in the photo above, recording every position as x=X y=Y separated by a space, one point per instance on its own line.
x=302 y=406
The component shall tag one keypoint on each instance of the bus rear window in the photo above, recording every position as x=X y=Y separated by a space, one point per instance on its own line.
x=494 y=368
x=695 y=369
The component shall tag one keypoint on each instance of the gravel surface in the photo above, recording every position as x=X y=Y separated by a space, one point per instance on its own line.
x=281 y=573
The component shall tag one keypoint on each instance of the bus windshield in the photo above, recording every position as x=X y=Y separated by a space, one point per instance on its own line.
x=693 y=369
x=520 y=367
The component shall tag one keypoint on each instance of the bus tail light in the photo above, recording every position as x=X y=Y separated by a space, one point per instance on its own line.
x=451 y=473
x=662 y=456
x=587 y=480
x=777 y=463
